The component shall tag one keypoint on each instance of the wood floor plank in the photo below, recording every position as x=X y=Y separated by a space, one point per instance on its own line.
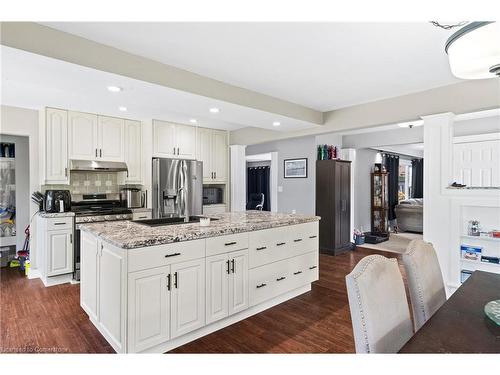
x=38 y=319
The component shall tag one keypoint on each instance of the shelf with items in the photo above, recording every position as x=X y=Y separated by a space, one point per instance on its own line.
x=482 y=238
x=379 y=206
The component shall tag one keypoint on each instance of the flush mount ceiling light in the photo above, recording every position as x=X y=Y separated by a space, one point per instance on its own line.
x=276 y=123
x=474 y=51
x=114 y=88
x=193 y=121
x=214 y=110
x=123 y=109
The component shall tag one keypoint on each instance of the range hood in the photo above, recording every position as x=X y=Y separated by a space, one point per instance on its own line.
x=98 y=166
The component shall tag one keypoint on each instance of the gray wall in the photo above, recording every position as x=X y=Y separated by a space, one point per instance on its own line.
x=22 y=182
x=298 y=194
x=365 y=159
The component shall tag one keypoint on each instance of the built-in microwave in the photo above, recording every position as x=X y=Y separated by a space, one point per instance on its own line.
x=212 y=195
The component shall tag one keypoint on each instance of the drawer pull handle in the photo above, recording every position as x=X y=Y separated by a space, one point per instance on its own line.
x=297 y=273
x=172 y=255
x=143 y=217
x=232 y=265
x=281 y=278
x=281 y=244
x=313 y=236
x=59 y=223
x=312 y=267
x=297 y=240
x=227 y=263
x=261 y=285
x=176 y=282
x=168 y=282
x=261 y=248
x=229 y=243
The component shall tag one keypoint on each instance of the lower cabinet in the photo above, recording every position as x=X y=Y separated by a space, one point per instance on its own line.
x=60 y=252
x=226 y=284
x=89 y=261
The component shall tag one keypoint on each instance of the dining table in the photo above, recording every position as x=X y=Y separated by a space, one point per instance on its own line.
x=460 y=325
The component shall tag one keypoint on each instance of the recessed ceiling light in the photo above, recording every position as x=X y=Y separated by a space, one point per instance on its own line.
x=123 y=109
x=214 y=110
x=276 y=123
x=193 y=121
x=114 y=88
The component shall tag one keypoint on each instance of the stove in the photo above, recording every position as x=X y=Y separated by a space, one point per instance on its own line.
x=93 y=208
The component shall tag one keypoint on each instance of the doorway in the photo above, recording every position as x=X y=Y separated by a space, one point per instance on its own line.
x=262 y=181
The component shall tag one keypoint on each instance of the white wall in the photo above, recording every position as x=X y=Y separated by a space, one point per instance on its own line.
x=24 y=122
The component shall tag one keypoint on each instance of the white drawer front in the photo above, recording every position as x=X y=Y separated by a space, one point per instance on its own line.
x=141 y=215
x=162 y=255
x=304 y=238
x=59 y=223
x=303 y=269
x=269 y=245
x=225 y=244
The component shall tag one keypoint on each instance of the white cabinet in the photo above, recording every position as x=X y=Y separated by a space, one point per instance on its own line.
x=226 y=284
x=133 y=151
x=56 y=146
x=89 y=262
x=111 y=138
x=60 y=252
x=187 y=297
x=212 y=150
x=148 y=308
x=173 y=140
x=82 y=136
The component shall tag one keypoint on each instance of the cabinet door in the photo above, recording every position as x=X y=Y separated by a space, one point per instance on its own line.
x=164 y=144
x=148 y=308
x=60 y=252
x=111 y=132
x=204 y=152
x=238 y=281
x=217 y=274
x=133 y=151
x=56 y=146
x=89 y=261
x=219 y=155
x=187 y=297
x=185 y=137
x=345 y=207
x=82 y=130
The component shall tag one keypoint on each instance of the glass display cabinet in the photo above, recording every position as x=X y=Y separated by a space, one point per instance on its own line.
x=379 y=206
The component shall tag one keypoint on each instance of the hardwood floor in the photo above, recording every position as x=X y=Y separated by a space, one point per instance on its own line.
x=38 y=319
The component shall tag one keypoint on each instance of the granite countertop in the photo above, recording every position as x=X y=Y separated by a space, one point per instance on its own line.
x=130 y=235
x=56 y=214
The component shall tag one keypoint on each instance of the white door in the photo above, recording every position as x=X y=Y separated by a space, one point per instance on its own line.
x=133 y=151
x=219 y=155
x=148 y=308
x=476 y=163
x=204 y=152
x=185 y=137
x=187 y=297
x=238 y=281
x=164 y=145
x=56 y=146
x=217 y=273
x=82 y=135
x=111 y=133
x=112 y=305
x=89 y=260
x=60 y=250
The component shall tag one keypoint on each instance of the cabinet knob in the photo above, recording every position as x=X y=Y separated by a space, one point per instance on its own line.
x=176 y=281
x=168 y=282
x=232 y=265
x=227 y=270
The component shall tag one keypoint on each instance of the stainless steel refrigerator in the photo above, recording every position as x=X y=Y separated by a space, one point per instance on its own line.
x=177 y=188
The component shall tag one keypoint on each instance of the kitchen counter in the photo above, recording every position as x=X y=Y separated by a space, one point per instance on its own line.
x=55 y=214
x=130 y=235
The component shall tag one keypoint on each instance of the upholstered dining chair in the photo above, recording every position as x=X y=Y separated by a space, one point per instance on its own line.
x=379 y=308
x=425 y=281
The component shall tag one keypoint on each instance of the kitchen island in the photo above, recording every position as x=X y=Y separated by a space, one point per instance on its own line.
x=154 y=288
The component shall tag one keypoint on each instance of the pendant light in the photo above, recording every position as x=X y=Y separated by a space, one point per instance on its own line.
x=474 y=51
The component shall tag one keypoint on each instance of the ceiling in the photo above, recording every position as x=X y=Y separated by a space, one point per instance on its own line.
x=323 y=66
x=34 y=81
x=412 y=149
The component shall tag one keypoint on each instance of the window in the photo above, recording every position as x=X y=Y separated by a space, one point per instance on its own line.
x=404 y=182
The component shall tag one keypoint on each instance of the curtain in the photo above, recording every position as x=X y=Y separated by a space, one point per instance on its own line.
x=417 y=178
x=258 y=182
x=391 y=163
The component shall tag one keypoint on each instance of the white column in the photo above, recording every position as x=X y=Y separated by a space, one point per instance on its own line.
x=238 y=177
x=438 y=138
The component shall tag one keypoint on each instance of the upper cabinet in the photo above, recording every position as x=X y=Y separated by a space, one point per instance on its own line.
x=173 y=140
x=212 y=150
x=82 y=136
x=93 y=137
x=133 y=151
x=56 y=146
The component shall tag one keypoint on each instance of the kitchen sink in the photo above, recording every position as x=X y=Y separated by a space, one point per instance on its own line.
x=169 y=221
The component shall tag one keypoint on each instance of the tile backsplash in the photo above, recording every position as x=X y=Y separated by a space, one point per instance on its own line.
x=89 y=182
